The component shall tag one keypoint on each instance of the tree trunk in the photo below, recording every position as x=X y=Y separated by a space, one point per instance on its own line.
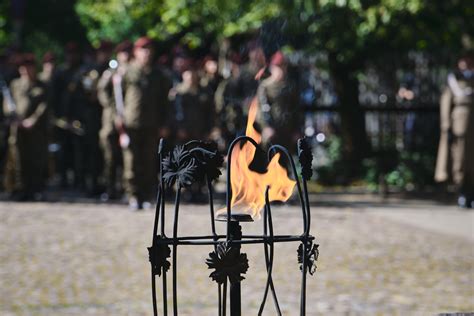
x=353 y=132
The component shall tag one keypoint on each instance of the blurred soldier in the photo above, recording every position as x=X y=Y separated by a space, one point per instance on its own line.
x=193 y=114
x=249 y=71
x=181 y=63
x=279 y=116
x=456 y=148
x=49 y=68
x=192 y=108
x=7 y=73
x=92 y=117
x=229 y=99
x=210 y=77
x=47 y=76
x=68 y=99
x=27 y=148
x=145 y=105
x=109 y=133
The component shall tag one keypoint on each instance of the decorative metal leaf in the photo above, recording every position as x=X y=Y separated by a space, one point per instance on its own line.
x=228 y=263
x=157 y=255
x=179 y=166
x=312 y=254
x=305 y=157
x=208 y=157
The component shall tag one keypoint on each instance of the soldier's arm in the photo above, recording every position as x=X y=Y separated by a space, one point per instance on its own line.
x=104 y=89
x=39 y=112
x=219 y=99
x=4 y=107
x=261 y=119
x=445 y=109
x=9 y=106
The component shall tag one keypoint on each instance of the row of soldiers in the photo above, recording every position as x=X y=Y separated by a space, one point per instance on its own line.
x=106 y=116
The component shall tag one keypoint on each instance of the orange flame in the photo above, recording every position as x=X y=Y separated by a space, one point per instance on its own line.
x=248 y=187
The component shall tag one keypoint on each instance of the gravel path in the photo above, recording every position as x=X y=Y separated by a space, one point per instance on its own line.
x=90 y=259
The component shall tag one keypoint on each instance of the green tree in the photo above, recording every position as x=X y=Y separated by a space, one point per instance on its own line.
x=350 y=32
x=39 y=25
x=353 y=32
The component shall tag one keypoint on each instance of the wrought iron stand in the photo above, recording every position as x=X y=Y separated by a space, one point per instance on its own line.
x=199 y=161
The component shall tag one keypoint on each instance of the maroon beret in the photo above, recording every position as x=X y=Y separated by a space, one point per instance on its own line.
x=49 y=57
x=105 y=46
x=144 y=42
x=278 y=59
x=125 y=46
x=27 y=59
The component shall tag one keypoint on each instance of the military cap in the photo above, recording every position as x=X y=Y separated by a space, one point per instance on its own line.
x=253 y=45
x=208 y=58
x=27 y=59
x=105 y=46
x=49 y=57
x=235 y=58
x=143 y=42
x=278 y=59
x=163 y=59
x=125 y=46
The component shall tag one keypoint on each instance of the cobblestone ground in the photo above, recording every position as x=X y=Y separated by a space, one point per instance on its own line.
x=88 y=259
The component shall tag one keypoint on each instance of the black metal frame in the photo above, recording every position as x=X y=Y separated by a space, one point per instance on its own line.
x=227 y=261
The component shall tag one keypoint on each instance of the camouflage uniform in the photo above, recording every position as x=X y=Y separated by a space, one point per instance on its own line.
x=108 y=135
x=247 y=79
x=193 y=112
x=278 y=109
x=68 y=100
x=456 y=147
x=229 y=100
x=27 y=159
x=145 y=105
x=92 y=121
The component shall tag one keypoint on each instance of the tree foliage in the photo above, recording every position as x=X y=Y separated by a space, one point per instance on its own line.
x=39 y=25
x=346 y=27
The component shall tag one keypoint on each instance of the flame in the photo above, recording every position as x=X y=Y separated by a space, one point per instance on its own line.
x=248 y=187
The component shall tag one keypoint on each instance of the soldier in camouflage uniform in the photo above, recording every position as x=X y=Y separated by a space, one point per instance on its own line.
x=109 y=135
x=68 y=99
x=7 y=72
x=229 y=99
x=210 y=77
x=27 y=149
x=193 y=119
x=456 y=146
x=145 y=100
x=47 y=76
x=249 y=72
x=279 y=117
x=193 y=115
x=49 y=68
x=92 y=118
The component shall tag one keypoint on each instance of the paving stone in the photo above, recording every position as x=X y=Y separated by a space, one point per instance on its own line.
x=91 y=259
